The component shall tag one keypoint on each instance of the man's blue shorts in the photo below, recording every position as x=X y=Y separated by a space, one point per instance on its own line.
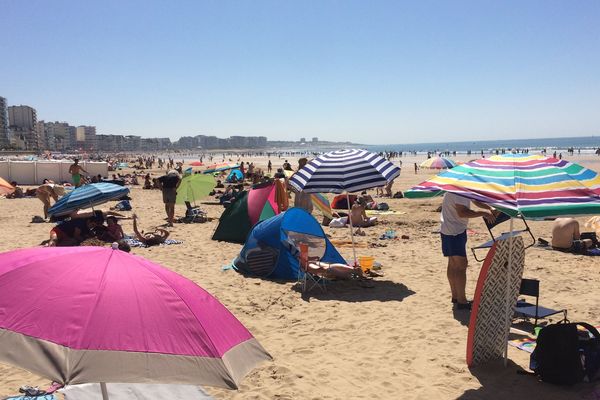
x=454 y=245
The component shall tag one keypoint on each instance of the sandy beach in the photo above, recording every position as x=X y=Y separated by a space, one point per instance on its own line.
x=398 y=339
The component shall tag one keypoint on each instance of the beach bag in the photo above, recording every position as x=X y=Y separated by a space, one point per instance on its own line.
x=398 y=195
x=565 y=355
x=383 y=206
x=123 y=205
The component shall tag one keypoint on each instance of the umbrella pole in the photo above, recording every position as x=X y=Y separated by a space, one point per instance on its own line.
x=350 y=225
x=104 y=390
x=507 y=293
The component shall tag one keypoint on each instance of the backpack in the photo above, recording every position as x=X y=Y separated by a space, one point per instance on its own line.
x=123 y=205
x=565 y=355
x=383 y=206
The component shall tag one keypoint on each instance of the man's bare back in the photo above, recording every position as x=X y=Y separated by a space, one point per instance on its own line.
x=564 y=231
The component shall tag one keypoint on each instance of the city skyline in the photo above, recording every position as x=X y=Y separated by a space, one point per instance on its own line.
x=382 y=72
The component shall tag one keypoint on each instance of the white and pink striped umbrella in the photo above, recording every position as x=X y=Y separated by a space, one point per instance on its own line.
x=94 y=314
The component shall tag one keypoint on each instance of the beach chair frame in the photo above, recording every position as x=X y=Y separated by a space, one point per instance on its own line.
x=502 y=217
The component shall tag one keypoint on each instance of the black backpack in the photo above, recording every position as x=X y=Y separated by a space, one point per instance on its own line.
x=564 y=355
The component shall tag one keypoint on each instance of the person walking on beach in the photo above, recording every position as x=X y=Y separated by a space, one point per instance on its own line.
x=169 y=184
x=75 y=170
x=455 y=216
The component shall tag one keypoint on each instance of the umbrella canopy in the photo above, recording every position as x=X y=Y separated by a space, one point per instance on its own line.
x=196 y=164
x=533 y=186
x=87 y=196
x=5 y=187
x=94 y=314
x=220 y=167
x=438 y=163
x=194 y=187
x=344 y=171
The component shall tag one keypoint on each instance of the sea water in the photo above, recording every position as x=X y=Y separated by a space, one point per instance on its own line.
x=587 y=144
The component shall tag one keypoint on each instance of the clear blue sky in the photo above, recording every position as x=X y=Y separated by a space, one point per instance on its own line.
x=366 y=71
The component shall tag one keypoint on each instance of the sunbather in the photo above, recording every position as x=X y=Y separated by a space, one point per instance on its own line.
x=334 y=270
x=151 y=238
x=566 y=236
x=358 y=214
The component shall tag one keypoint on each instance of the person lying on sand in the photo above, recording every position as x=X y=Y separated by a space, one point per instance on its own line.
x=334 y=270
x=358 y=215
x=566 y=236
x=151 y=238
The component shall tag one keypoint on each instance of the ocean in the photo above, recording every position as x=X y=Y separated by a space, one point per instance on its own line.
x=587 y=144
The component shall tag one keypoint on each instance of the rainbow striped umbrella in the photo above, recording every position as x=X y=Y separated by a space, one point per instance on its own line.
x=438 y=163
x=532 y=186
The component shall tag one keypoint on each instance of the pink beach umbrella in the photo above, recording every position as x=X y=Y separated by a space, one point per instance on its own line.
x=94 y=314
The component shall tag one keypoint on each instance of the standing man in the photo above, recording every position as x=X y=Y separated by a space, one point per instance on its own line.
x=75 y=170
x=169 y=184
x=455 y=216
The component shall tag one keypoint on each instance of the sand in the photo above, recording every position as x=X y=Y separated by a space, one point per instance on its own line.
x=398 y=339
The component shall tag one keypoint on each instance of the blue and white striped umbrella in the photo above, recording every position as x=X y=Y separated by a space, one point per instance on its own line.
x=87 y=196
x=346 y=171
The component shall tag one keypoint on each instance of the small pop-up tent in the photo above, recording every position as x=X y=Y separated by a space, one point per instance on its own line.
x=257 y=204
x=270 y=249
x=235 y=176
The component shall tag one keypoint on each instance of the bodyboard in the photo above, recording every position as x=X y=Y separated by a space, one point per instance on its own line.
x=488 y=326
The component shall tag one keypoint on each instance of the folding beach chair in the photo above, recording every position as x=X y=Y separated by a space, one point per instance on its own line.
x=193 y=214
x=306 y=277
x=531 y=287
x=502 y=217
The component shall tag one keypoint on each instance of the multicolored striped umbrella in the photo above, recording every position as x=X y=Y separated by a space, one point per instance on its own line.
x=533 y=186
x=438 y=163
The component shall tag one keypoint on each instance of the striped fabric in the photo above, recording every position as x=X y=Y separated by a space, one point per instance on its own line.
x=438 y=163
x=344 y=171
x=87 y=196
x=533 y=186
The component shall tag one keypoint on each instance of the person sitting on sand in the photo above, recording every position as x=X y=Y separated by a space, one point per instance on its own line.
x=48 y=190
x=151 y=238
x=566 y=236
x=147 y=182
x=113 y=231
x=359 y=216
x=18 y=192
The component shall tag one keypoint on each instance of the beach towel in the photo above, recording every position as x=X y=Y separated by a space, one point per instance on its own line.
x=133 y=242
x=321 y=202
x=384 y=212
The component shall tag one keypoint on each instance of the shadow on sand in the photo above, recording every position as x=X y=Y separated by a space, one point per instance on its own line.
x=513 y=382
x=379 y=290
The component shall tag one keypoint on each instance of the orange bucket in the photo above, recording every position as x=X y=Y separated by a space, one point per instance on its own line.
x=366 y=262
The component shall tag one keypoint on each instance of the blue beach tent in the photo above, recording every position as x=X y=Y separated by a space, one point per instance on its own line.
x=236 y=175
x=271 y=247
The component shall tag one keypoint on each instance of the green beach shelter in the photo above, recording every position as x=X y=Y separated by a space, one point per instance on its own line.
x=194 y=187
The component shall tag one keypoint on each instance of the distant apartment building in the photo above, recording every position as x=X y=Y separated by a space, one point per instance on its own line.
x=187 y=142
x=212 y=142
x=54 y=135
x=4 y=132
x=164 y=144
x=22 y=122
x=112 y=143
x=86 y=137
x=238 y=142
x=315 y=140
x=302 y=140
x=132 y=143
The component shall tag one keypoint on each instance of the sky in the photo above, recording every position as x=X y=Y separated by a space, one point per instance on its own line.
x=372 y=72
